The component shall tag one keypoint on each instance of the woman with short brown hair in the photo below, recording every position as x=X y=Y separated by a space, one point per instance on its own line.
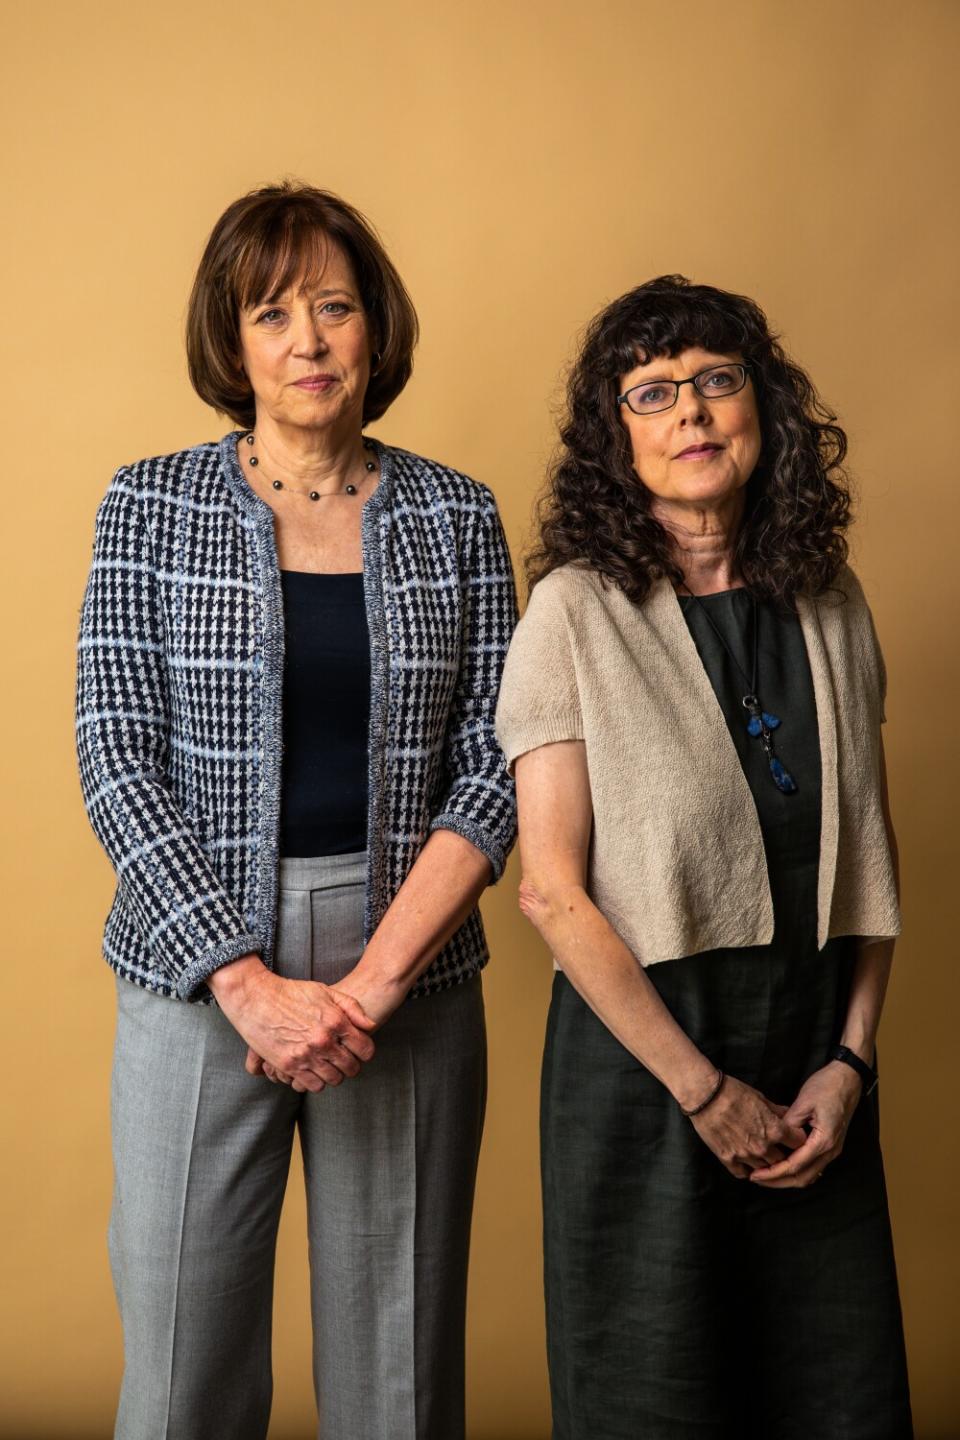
x=290 y=651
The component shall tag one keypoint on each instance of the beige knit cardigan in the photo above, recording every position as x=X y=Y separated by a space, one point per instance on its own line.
x=676 y=861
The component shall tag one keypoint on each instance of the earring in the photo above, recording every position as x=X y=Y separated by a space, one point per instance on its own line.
x=375 y=359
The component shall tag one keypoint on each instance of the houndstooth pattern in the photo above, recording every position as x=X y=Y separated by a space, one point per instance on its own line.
x=179 y=704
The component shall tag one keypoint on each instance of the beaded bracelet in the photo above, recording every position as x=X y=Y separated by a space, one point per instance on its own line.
x=709 y=1100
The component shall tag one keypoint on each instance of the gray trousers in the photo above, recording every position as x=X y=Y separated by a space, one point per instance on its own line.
x=201 y=1156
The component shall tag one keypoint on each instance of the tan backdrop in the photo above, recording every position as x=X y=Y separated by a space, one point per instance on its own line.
x=525 y=162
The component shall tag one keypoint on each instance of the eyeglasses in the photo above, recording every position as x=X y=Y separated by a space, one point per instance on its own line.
x=714 y=383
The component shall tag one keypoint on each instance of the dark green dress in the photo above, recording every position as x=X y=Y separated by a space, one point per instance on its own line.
x=683 y=1304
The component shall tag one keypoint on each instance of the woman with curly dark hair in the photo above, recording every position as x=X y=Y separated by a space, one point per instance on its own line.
x=692 y=703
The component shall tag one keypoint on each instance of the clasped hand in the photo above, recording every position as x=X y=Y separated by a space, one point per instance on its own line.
x=302 y=1032
x=749 y=1133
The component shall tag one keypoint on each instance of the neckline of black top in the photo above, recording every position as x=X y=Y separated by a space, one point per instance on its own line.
x=716 y=594
x=322 y=574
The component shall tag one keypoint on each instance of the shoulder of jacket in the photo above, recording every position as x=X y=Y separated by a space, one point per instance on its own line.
x=165 y=475
x=142 y=474
x=418 y=477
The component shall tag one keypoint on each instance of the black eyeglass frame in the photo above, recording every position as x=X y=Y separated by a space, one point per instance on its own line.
x=742 y=365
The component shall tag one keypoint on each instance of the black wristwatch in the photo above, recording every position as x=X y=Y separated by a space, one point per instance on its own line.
x=868 y=1076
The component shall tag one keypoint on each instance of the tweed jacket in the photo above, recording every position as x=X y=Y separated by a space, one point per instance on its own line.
x=179 y=704
x=677 y=861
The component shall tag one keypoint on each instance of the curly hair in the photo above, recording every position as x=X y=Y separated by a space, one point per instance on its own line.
x=596 y=511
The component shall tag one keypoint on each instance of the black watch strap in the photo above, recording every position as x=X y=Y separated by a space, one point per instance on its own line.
x=868 y=1076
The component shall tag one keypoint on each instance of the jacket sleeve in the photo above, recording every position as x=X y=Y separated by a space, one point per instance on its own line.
x=187 y=921
x=480 y=803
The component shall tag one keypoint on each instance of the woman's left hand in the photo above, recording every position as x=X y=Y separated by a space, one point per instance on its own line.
x=824 y=1108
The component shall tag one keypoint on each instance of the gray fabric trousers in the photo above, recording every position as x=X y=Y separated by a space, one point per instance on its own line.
x=201 y=1156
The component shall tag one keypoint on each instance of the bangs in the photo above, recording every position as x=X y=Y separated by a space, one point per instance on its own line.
x=660 y=323
x=291 y=247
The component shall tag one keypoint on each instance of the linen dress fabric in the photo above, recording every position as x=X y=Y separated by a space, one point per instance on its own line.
x=180 y=723
x=682 y=1302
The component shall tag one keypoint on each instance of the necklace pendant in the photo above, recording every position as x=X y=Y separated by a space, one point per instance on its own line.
x=350 y=489
x=782 y=778
x=761 y=719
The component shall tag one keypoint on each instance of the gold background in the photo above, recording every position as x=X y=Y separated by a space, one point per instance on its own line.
x=525 y=163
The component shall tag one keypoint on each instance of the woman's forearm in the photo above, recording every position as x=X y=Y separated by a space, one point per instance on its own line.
x=443 y=886
x=608 y=977
x=871 y=972
x=868 y=987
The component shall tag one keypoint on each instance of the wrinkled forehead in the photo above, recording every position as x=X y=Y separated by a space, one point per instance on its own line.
x=286 y=256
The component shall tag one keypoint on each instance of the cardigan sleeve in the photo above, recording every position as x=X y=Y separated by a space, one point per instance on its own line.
x=480 y=802
x=188 y=922
x=539 y=697
x=866 y=636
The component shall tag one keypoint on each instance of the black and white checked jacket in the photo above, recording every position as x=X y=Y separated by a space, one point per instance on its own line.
x=180 y=689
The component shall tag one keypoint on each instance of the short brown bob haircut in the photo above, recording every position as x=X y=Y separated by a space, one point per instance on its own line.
x=260 y=245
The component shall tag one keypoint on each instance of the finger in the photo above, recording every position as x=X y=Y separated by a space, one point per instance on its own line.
x=307 y=1081
x=799 y=1116
x=322 y=1068
x=353 y=1009
x=359 y=1045
x=771 y=1154
x=345 y=1033
x=344 y=1060
x=805 y=1156
x=253 y=1063
x=791 y=1137
x=803 y=1181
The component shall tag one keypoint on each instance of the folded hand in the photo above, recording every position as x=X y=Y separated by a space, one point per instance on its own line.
x=308 y=1033
x=824 y=1108
x=745 y=1130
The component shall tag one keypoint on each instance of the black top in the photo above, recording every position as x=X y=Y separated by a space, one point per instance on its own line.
x=790 y=823
x=326 y=715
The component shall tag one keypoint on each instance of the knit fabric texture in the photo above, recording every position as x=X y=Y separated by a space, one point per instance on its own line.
x=179 y=704
x=677 y=862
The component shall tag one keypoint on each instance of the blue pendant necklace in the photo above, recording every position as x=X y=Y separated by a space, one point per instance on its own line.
x=761 y=723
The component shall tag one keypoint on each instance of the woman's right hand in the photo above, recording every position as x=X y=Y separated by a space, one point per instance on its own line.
x=296 y=1026
x=744 y=1129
